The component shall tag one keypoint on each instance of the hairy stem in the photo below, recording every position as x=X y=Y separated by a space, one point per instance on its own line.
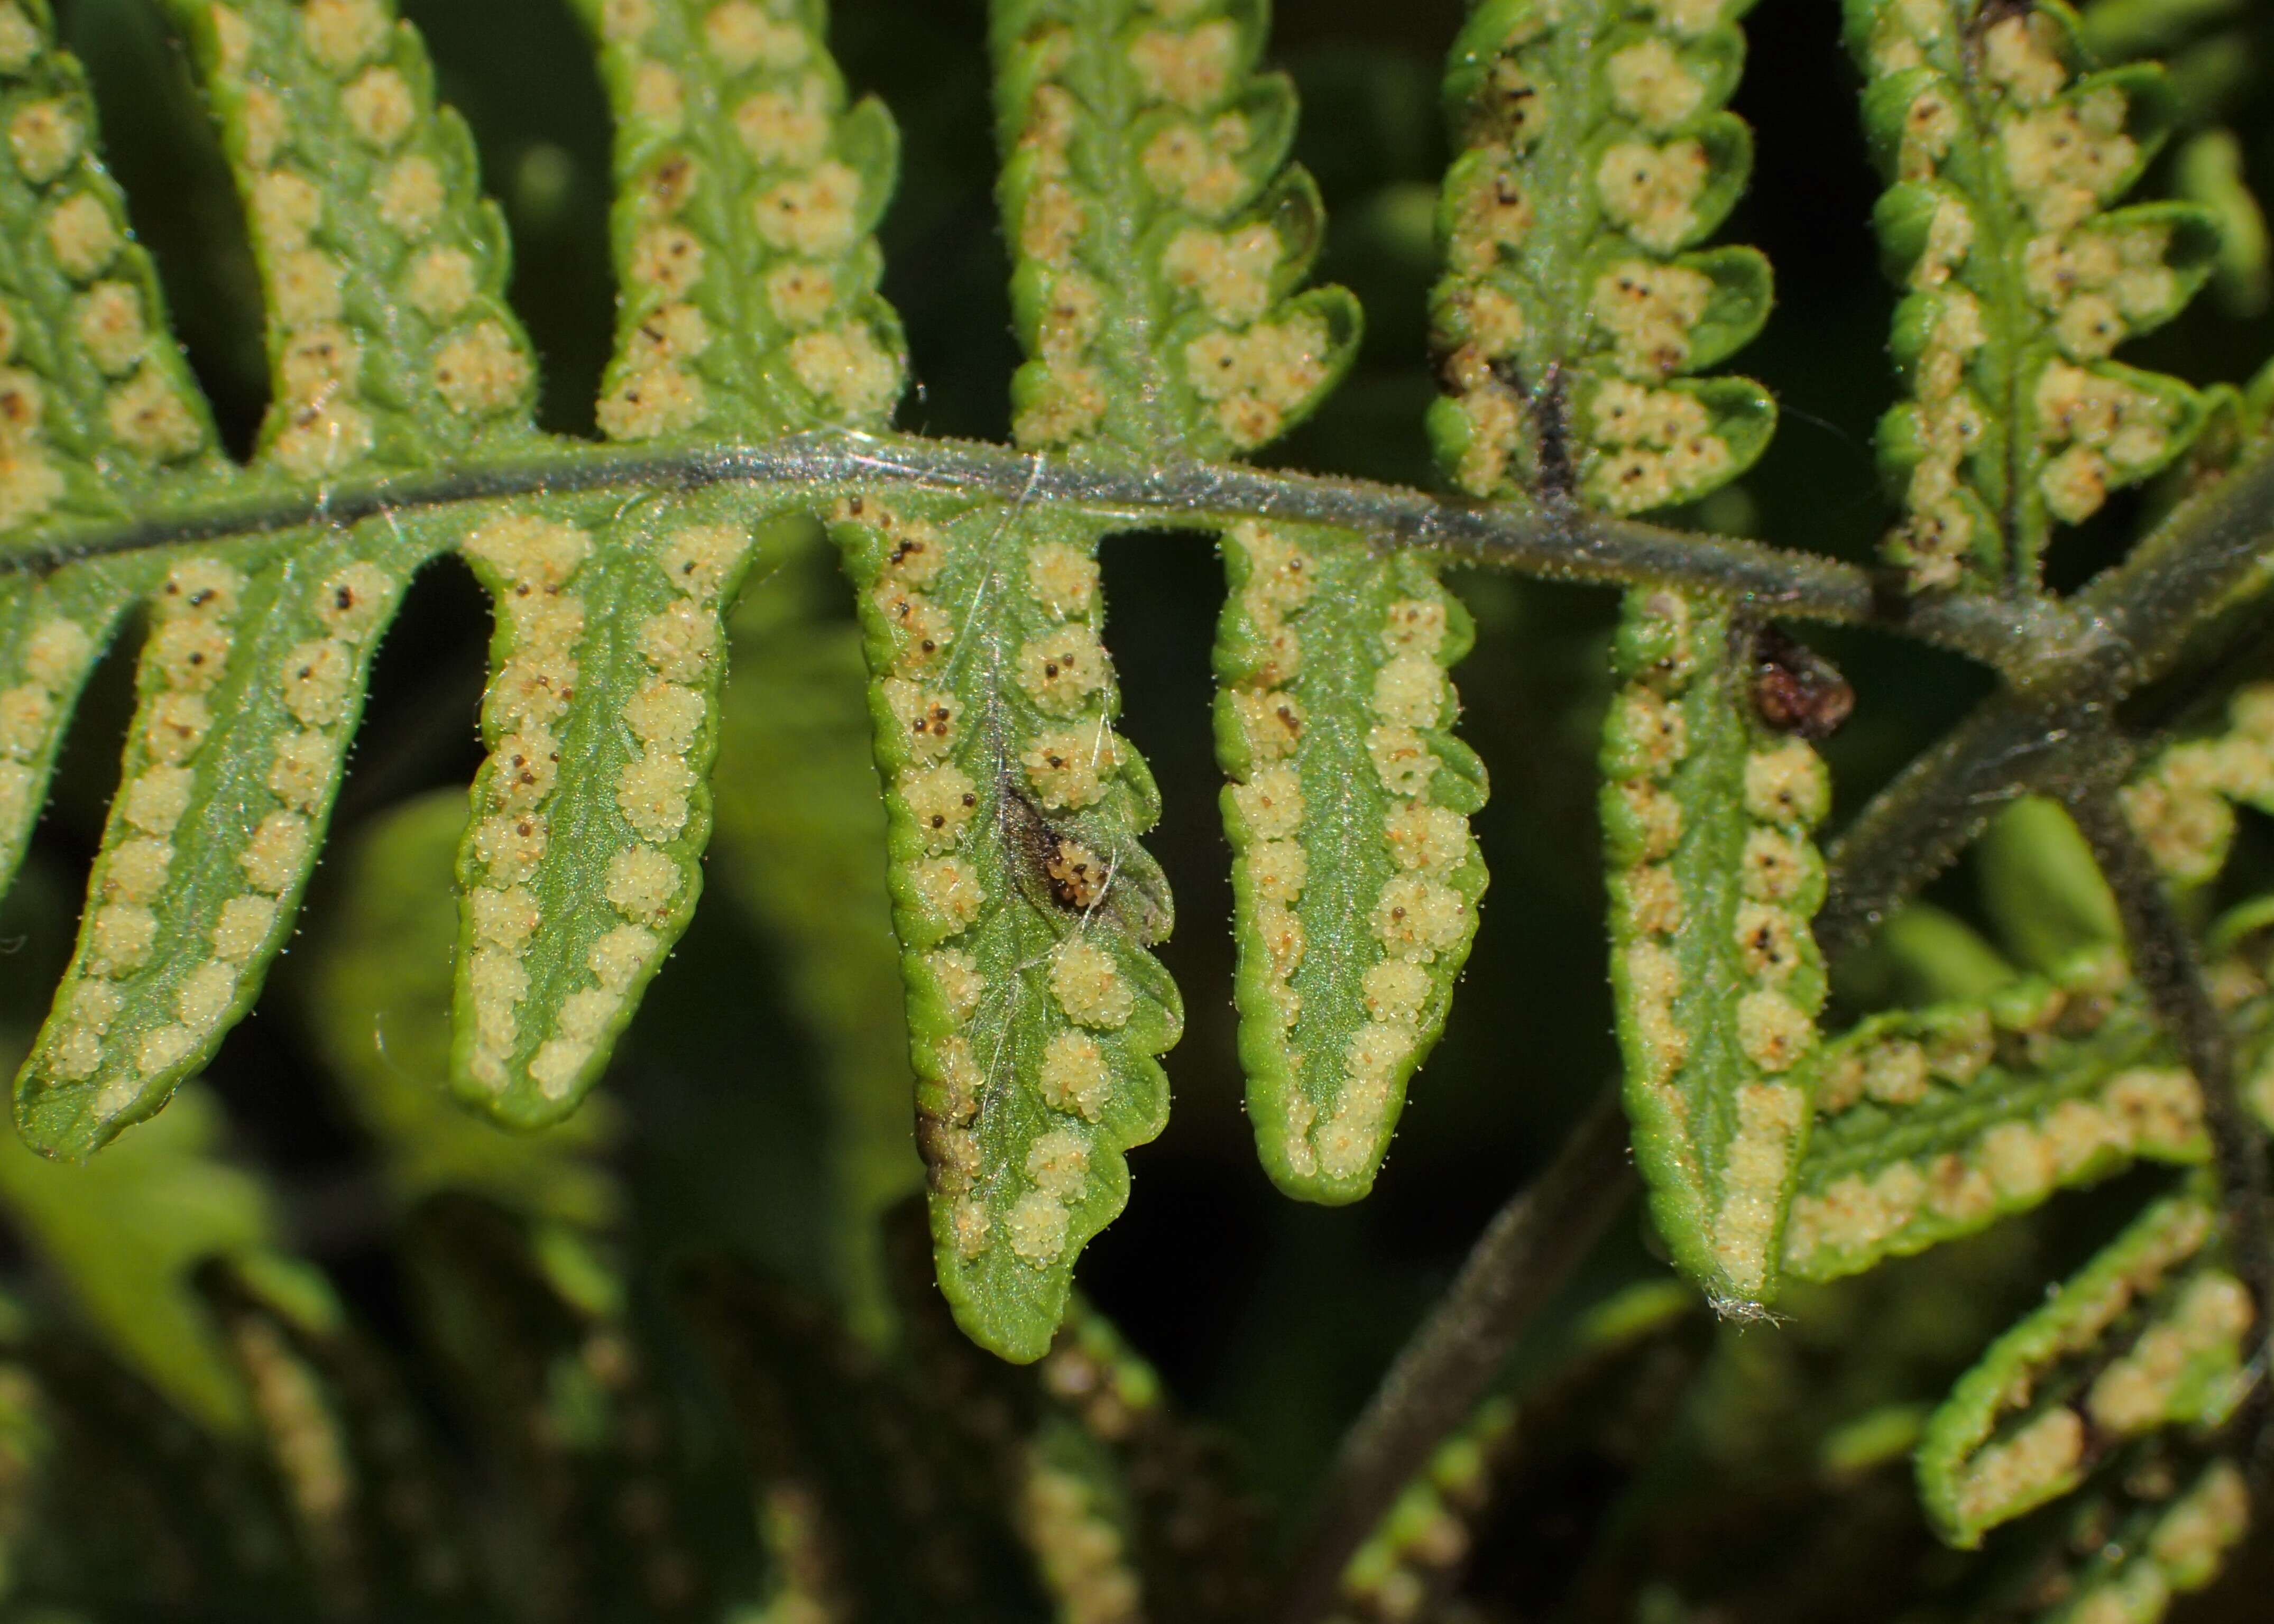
x=1551 y=540
x=2165 y=960
x=2210 y=553
x=2142 y=619
x=1524 y=1254
x=1920 y=824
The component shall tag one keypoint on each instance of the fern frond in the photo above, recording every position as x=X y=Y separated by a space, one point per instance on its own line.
x=1936 y=1123
x=250 y=686
x=1594 y=152
x=100 y=411
x=2213 y=63
x=390 y=345
x=738 y=167
x=1191 y=1536
x=1157 y=241
x=1936 y=1120
x=1348 y=819
x=1940 y=1122
x=2147 y=1336
x=382 y=270
x=2005 y=153
x=747 y=192
x=53 y=629
x=1158 y=247
x=1708 y=813
x=1074 y=1513
x=2133 y=1553
x=1024 y=903
x=581 y=859
x=2183 y=805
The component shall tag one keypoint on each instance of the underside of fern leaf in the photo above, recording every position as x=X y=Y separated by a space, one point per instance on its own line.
x=2149 y=1335
x=358 y=197
x=1938 y=1120
x=2005 y=153
x=1355 y=879
x=1024 y=901
x=1575 y=309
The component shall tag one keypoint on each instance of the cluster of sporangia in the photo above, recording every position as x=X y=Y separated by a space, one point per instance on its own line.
x=1060 y=756
x=1159 y=242
x=1999 y=1449
x=143 y=406
x=1558 y=336
x=1933 y=1066
x=55 y=655
x=1687 y=689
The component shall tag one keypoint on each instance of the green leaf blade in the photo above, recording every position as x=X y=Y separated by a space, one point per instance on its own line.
x=1593 y=153
x=581 y=859
x=100 y=405
x=748 y=196
x=250 y=687
x=1708 y=814
x=1936 y=1123
x=1025 y=904
x=1355 y=879
x=383 y=269
x=52 y=632
x=2004 y=156
x=2148 y=1336
x=1155 y=243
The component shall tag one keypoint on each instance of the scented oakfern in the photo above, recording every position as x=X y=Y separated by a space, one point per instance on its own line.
x=653 y=596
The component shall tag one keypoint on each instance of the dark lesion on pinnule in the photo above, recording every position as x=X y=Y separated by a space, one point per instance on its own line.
x=1546 y=405
x=1075 y=875
x=1549 y=406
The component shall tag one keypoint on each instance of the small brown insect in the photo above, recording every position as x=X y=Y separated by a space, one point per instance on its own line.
x=1795 y=689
